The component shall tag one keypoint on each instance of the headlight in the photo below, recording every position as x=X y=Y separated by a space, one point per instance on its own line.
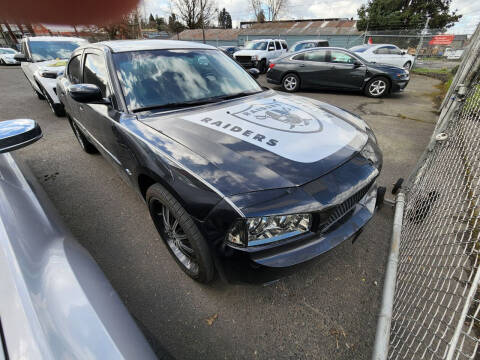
x=255 y=57
x=403 y=76
x=266 y=229
x=371 y=152
x=49 y=74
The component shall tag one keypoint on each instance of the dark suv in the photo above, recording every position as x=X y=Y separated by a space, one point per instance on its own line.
x=231 y=173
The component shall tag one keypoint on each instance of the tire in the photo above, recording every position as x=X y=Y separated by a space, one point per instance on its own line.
x=2 y=62
x=57 y=109
x=39 y=95
x=262 y=66
x=377 y=87
x=86 y=145
x=182 y=237
x=291 y=83
x=407 y=65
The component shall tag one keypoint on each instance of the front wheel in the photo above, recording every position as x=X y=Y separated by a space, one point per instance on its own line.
x=407 y=65
x=377 y=87
x=291 y=83
x=262 y=66
x=180 y=234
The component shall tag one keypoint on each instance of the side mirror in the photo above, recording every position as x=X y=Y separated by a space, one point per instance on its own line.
x=404 y=52
x=87 y=93
x=15 y=134
x=254 y=72
x=270 y=48
x=357 y=63
x=20 y=57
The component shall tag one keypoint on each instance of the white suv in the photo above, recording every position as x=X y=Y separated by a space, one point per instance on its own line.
x=258 y=53
x=43 y=59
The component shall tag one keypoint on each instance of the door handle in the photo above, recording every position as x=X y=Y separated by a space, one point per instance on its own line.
x=302 y=65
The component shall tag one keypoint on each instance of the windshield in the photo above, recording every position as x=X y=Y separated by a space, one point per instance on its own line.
x=51 y=50
x=256 y=45
x=7 y=51
x=156 y=78
x=302 y=46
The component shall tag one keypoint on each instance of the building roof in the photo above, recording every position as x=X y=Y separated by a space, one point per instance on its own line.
x=320 y=27
x=210 y=34
x=137 y=45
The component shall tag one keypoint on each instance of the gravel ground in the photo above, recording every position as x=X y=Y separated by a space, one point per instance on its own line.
x=327 y=309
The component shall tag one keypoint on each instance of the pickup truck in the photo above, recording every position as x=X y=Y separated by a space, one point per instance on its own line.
x=258 y=53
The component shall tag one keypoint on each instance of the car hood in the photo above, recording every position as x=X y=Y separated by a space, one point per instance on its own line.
x=263 y=141
x=248 y=52
x=8 y=56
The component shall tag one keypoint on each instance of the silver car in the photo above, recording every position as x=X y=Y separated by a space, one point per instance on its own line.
x=55 y=302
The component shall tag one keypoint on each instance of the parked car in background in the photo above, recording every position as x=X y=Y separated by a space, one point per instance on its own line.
x=258 y=53
x=337 y=69
x=56 y=303
x=453 y=54
x=7 y=56
x=307 y=44
x=43 y=59
x=229 y=50
x=385 y=54
x=233 y=175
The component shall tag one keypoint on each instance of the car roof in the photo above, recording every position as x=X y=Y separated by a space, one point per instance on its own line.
x=54 y=38
x=7 y=48
x=311 y=40
x=136 y=45
x=255 y=40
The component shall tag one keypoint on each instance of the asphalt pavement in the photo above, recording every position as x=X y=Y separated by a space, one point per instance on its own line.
x=326 y=310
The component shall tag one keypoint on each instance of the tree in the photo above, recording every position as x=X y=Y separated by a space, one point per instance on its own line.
x=275 y=7
x=195 y=13
x=174 y=26
x=261 y=16
x=151 y=21
x=406 y=14
x=161 y=25
x=224 y=19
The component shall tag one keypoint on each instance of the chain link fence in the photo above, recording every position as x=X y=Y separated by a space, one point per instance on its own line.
x=431 y=302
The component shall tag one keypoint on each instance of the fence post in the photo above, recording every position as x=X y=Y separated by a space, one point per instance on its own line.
x=382 y=338
x=420 y=44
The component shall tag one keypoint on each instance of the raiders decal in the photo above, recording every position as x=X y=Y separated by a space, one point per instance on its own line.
x=299 y=133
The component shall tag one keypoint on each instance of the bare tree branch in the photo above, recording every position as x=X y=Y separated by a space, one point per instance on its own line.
x=195 y=13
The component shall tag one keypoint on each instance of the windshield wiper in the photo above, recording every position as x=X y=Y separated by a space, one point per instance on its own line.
x=238 y=95
x=177 y=105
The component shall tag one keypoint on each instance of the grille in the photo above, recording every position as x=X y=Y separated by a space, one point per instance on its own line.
x=340 y=212
x=244 y=59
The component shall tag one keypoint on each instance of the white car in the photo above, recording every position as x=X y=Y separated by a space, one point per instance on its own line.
x=258 y=53
x=43 y=60
x=384 y=54
x=6 y=56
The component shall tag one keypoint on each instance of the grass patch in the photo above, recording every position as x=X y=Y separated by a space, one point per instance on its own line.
x=444 y=75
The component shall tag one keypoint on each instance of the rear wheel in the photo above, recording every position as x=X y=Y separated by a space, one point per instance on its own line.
x=291 y=83
x=2 y=62
x=86 y=145
x=377 y=87
x=180 y=234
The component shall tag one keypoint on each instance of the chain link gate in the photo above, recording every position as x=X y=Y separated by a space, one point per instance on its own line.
x=431 y=300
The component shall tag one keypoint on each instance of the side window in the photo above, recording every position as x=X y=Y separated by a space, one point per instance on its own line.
x=277 y=45
x=299 y=57
x=75 y=70
x=309 y=45
x=395 y=50
x=95 y=72
x=284 y=45
x=382 y=51
x=318 y=56
x=271 y=46
x=340 y=57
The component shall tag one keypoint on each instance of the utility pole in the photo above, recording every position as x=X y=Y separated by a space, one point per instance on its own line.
x=203 y=20
x=420 y=44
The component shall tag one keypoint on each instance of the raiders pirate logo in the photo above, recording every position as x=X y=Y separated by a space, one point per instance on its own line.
x=280 y=116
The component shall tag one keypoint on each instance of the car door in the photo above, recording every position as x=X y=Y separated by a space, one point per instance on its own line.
x=313 y=67
x=397 y=57
x=271 y=50
x=346 y=71
x=101 y=120
x=381 y=55
x=278 y=47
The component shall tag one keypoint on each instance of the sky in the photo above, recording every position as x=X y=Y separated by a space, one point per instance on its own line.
x=306 y=9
